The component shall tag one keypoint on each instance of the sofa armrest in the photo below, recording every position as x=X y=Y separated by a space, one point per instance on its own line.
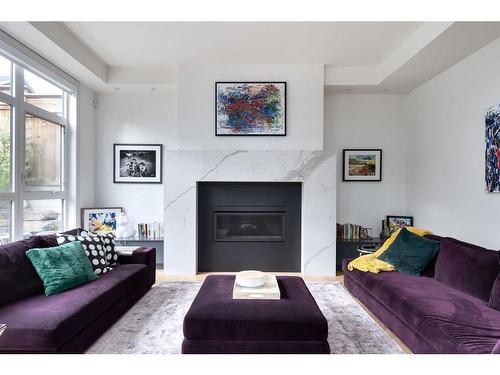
x=496 y=349
x=345 y=262
x=142 y=255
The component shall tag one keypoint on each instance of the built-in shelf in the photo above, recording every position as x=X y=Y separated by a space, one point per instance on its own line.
x=156 y=242
x=349 y=248
x=142 y=239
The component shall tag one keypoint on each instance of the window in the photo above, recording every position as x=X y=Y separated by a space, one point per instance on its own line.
x=5 y=147
x=43 y=94
x=5 y=216
x=5 y=75
x=42 y=156
x=33 y=129
x=43 y=215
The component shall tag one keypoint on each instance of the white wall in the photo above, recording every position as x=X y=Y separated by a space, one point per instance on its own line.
x=86 y=148
x=123 y=118
x=196 y=94
x=445 y=120
x=368 y=121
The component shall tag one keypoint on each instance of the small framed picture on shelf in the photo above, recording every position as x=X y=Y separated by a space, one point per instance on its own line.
x=100 y=220
x=397 y=222
x=137 y=163
x=362 y=165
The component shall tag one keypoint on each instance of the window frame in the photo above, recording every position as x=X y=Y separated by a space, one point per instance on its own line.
x=19 y=109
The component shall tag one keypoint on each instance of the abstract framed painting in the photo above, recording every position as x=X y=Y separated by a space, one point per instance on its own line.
x=492 y=152
x=250 y=108
x=362 y=165
x=137 y=163
x=100 y=220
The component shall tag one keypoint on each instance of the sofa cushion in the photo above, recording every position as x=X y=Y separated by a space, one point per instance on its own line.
x=109 y=247
x=94 y=249
x=448 y=319
x=41 y=323
x=410 y=253
x=18 y=278
x=495 y=291
x=466 y=267
x=62 y=267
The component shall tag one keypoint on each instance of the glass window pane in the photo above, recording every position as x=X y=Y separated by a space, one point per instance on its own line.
x=5 y=220
x=42 y=170
x=42 y=93
x=5 y=147
x=42 y=216
x=5 y=76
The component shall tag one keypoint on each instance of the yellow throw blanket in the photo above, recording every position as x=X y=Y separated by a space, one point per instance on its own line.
x=370 y=263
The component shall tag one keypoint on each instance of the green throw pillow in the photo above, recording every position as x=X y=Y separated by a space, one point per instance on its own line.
x=410 y=253
x=62 y=267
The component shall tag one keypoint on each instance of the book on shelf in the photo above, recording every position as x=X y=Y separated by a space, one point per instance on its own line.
x=149 y=230
x=352 y=232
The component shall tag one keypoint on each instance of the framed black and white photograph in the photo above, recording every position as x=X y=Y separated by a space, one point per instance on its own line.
x=362 y=165
x=137 y=163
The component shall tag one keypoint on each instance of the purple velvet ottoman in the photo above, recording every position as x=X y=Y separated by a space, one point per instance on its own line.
x=217 y=324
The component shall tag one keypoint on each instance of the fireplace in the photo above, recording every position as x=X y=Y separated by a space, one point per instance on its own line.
x=254 y=225
x=248 y=224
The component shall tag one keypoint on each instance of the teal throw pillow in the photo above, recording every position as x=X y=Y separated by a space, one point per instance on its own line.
x=410 y=253
x=62 y=267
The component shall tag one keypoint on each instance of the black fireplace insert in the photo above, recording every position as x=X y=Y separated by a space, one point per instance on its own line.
x=254 y=225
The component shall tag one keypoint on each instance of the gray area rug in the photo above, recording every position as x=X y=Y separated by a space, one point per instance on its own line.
x=154 y=324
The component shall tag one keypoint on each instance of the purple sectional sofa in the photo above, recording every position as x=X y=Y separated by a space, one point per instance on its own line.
x=454 y=307
x=68 y=322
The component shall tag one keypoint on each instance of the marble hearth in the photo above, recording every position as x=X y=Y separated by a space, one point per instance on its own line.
x=315 y=169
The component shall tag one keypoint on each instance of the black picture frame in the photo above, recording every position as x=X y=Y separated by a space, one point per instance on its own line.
x=251 y=135
x=392 y=217
x=347 y=178
x=139 y=180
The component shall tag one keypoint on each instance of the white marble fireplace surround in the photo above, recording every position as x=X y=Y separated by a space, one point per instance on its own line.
x=315 y=169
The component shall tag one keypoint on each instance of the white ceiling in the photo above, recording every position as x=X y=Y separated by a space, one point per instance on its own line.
x=159 y=43
x=389 y=57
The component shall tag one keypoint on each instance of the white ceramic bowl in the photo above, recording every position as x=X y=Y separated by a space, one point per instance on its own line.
x=250 y=279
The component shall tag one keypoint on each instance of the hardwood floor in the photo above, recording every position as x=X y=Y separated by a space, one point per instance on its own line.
x=162 y=276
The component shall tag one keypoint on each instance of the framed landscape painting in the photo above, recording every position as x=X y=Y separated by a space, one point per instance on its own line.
x=137 y=163
x=100 y=220
x=250 y=108
x=362 y=165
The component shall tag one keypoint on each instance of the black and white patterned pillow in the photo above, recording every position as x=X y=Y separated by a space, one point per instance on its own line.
x=108 y=240
x=94 y=248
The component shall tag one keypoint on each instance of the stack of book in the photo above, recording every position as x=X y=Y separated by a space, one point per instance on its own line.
x=352 y=232
x=270 y=290
x=149 y=230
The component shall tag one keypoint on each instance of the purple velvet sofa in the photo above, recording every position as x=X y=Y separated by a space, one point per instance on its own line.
x=454 y=307
x=68 y=322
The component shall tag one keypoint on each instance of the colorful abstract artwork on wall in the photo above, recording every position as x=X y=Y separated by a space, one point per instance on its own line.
x=100 y=220
x=492 y=167
x=250 y=108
